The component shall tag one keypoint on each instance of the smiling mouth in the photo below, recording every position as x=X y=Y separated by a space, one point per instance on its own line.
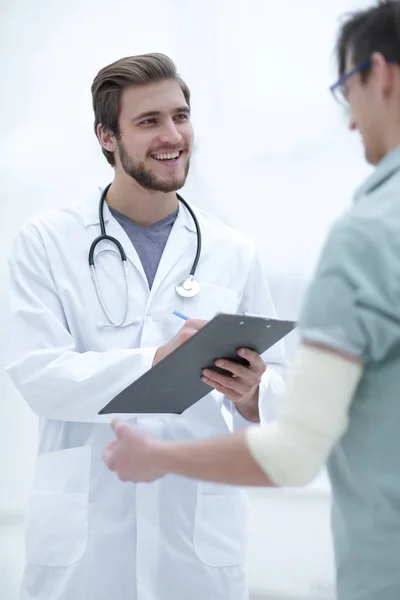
x=167 y=156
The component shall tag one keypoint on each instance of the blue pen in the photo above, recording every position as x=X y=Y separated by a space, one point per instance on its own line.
x=180 y=315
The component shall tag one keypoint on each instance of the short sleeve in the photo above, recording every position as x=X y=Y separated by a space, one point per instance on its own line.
x=353 y=302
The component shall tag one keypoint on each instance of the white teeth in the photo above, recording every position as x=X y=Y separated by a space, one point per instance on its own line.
x=166 y=156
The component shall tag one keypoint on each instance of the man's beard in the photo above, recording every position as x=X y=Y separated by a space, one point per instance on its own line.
x=146 y=178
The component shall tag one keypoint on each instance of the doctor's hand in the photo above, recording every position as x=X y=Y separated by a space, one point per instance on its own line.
x=132 y=454
x=190 y=328
x=243 y=387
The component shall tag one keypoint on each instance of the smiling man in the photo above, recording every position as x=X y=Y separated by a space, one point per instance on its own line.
x=78 y=335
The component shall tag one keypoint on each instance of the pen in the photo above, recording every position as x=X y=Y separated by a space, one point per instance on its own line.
x=180 y=315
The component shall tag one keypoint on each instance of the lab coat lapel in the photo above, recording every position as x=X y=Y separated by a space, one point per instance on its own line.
x=182 y=237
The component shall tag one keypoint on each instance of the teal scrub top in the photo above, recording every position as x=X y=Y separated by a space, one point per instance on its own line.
x=353 y=304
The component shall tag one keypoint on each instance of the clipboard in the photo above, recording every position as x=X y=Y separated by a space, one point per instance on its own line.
x=174 y=384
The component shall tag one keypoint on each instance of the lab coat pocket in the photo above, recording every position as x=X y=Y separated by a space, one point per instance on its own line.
x=211 y=300
x=57 y=529
x=57 y=515
x=221 y=526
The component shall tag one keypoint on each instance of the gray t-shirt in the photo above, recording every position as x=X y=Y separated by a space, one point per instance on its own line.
x=353 y=305
x=149 y=242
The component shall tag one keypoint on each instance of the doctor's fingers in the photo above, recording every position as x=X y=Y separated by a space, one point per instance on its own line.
x=248 y=374
x=196 y=324
x=234 y=384
x=229 y=393
x=182 y=336
x=256 y=362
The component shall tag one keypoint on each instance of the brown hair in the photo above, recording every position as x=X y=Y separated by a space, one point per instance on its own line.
x=112 y=80
x=376 y=29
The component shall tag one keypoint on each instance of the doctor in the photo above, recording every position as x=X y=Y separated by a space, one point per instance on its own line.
x=82 y=326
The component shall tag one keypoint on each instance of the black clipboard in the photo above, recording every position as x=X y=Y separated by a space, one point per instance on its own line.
x=174 y=384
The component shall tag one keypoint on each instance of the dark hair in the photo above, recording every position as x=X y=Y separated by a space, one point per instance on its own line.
x=111 y=81
x=376 y=29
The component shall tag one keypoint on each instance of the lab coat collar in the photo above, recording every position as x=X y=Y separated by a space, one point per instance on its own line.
x=383 y=171
x=90 y=213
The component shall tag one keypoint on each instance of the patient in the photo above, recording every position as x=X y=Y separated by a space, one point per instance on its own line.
x=342 y=401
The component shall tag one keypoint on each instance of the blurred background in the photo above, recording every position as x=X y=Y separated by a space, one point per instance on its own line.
x=273 y=158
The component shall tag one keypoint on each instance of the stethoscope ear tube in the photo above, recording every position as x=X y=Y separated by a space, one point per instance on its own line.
x=111 y=239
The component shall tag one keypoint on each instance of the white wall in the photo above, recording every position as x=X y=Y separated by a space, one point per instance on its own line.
x=273 y=158
x=290 y=549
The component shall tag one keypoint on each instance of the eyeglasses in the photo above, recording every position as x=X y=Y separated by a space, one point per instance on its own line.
x=339 y=89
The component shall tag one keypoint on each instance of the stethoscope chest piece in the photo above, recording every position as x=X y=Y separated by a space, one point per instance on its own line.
x=188 y=288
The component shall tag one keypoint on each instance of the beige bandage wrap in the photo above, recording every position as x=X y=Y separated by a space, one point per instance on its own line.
x=313 y=416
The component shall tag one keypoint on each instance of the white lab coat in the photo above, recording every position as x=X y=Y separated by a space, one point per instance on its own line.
x=89 y=535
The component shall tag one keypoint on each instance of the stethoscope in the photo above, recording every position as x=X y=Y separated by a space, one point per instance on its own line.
x=187 y=288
